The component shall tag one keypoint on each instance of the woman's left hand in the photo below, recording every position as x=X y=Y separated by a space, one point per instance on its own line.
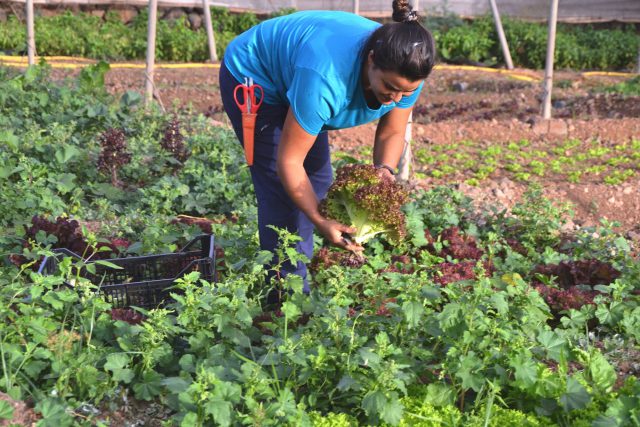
x=335 y=234
x=386 y=174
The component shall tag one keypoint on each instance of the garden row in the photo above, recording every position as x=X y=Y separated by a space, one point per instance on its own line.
x=474 y=318
x=577 y=47
x=571 y=160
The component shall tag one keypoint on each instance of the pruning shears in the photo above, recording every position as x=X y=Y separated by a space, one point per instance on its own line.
x=348 y=242
x=252 y=97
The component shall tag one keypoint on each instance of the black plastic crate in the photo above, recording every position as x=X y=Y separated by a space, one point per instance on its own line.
x=144 y=281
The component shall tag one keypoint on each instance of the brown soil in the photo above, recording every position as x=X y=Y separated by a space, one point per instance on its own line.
x=22 y=414
x=487 y=108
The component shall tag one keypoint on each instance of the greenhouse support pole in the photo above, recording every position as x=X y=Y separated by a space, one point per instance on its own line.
x=213 y=55
x=416 y=6
x=151 y=50
x=548 y=69
x=404 y=166
x=356 y=7
x=501 y=36
x=31 y=35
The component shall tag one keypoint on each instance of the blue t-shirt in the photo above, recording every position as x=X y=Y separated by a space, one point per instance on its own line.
x=311 y=61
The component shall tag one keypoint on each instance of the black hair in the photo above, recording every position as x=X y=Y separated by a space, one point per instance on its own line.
x=404 y=46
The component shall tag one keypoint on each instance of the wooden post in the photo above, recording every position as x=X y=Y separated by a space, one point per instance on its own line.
x=501 y=36
x=31 y=35
x=404 y=166
x=151 y=50
x=213 y=55
x=548 y=69
x=356 y=7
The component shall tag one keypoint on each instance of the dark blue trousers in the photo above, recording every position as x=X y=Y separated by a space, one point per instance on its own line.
x=274 y=205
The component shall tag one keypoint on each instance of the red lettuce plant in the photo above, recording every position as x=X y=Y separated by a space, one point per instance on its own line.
x=326 y=258
x=590 y=272
x=570 y=274
x=460 y=247
x=173 y=141
x=68 y=234
x=113 y=153
x=368 y=201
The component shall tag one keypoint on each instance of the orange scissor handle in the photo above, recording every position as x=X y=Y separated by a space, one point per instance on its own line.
x=242 y=105
x=252 y=97
x=250 y=101
x=256 y=102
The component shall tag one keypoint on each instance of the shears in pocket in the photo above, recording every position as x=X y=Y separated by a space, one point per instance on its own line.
x=252 y=97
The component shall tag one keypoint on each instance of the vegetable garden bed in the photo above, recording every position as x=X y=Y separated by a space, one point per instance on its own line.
x=477 y=317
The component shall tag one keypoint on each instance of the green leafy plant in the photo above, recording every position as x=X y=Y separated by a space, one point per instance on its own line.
x=362 y=198
x=453 y=324
x=630 y=87
x=457 y=40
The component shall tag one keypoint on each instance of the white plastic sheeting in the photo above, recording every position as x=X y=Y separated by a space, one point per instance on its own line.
x=538 y=10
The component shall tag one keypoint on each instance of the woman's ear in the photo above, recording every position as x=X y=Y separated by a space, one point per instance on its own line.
x=370 y=57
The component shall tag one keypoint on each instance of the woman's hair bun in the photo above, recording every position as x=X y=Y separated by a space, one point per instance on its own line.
x=405 y=47
x=403 y=11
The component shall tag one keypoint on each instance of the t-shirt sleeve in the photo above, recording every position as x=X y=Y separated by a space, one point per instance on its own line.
x=408 y=101
x=312 y=100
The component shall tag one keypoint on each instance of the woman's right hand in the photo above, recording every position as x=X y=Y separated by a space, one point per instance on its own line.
x=335 y=232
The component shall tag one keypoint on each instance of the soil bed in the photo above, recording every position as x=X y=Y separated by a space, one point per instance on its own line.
x=463 y=112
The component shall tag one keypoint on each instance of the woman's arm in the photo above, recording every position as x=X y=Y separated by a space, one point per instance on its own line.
x=389 y=140
x=294 y=145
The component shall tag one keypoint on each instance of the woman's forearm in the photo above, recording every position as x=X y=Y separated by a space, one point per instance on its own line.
x=389 y=142
x=388 y=150
x=297 y=185
x=295 y=144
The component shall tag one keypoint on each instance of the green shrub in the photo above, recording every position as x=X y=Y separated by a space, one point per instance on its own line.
x=12 y=35
x=577 y=47
x=527 y=43
x=283 y=12
x=177 y=40
x=607 y=49
x=471 y=42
